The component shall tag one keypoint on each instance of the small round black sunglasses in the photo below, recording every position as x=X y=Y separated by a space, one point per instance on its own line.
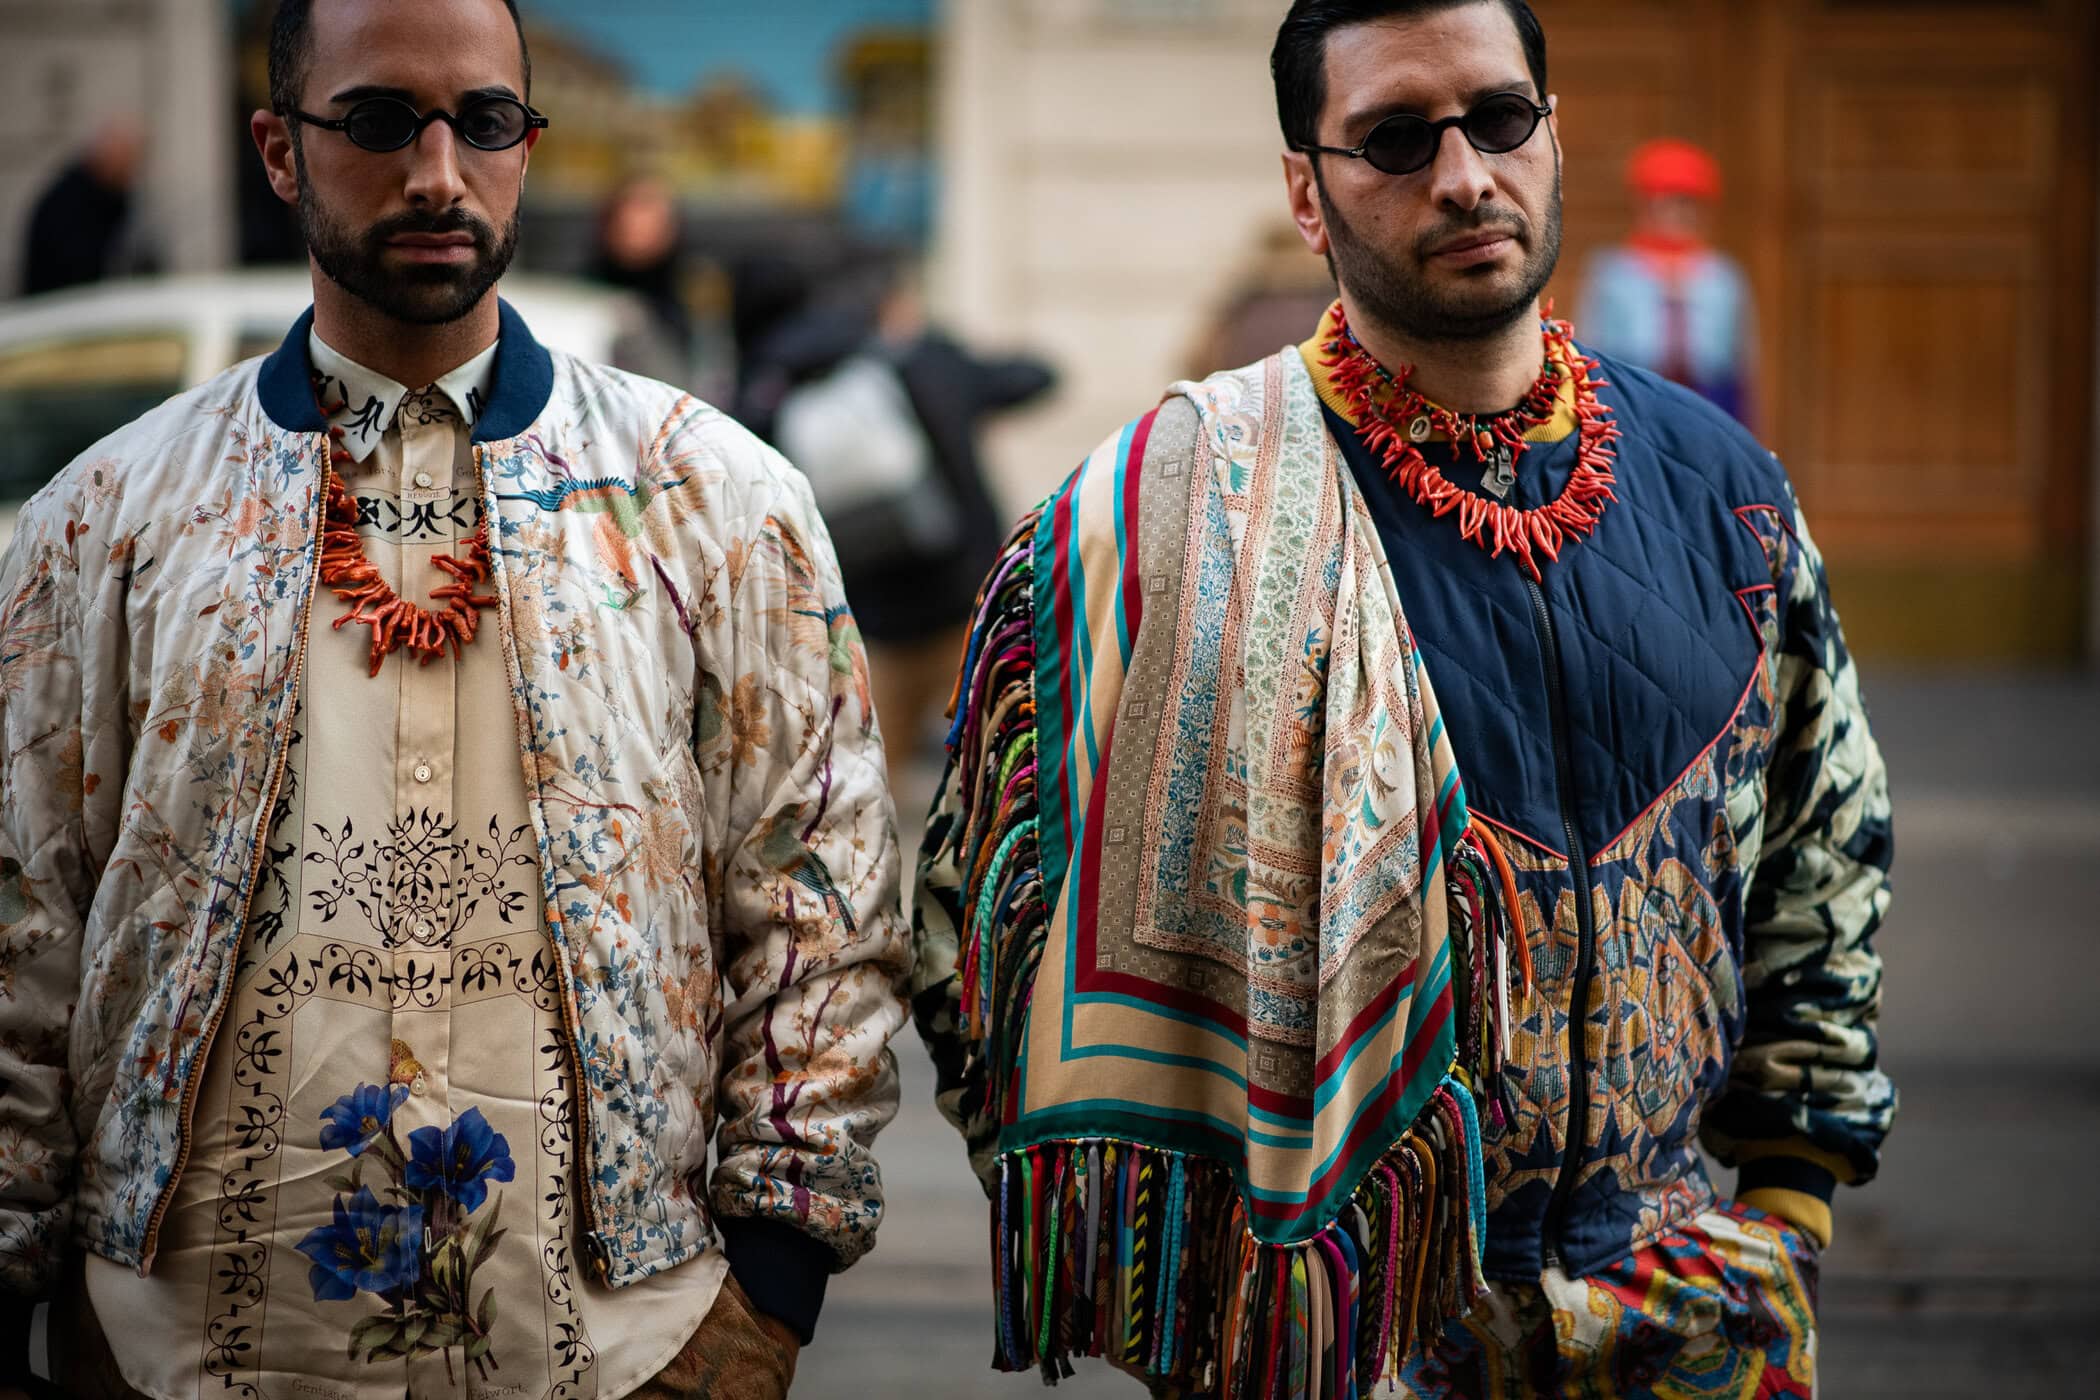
x=388 y=123
x=1404 y=143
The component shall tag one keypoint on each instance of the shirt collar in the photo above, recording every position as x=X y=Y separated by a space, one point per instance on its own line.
x=366 y=402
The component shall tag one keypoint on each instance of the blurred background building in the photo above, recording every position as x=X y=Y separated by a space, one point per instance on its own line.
x=1907 y=185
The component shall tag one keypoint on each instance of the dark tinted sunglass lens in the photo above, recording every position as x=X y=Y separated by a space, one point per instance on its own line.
x=381 y=124
x=1501 y=123
x=493 y=124
x=1400 y=144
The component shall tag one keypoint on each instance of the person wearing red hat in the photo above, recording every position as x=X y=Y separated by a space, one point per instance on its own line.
x=1666 y=299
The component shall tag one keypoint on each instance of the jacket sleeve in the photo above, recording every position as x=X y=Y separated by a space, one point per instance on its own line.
x=813 y=937
x=1807 y=1105
x=46 y=886
x=936 y=991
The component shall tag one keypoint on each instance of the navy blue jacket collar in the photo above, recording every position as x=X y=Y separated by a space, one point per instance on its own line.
x=522 y=382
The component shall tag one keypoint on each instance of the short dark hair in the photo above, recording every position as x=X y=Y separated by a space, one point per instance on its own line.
x=288 y=51
x=1299 y=61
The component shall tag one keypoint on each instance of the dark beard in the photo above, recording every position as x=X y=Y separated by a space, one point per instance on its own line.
x=416 y=295
x=1386 y=289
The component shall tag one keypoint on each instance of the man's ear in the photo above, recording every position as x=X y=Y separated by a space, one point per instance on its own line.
x=273 y=139
x=1301 y=185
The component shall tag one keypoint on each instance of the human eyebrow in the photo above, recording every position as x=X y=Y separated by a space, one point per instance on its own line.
x=365 y=90
x=1369 y=116
x=1520 y=86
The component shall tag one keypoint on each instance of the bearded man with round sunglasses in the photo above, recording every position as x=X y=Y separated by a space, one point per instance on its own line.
x=448 y=919
x=1406 y=796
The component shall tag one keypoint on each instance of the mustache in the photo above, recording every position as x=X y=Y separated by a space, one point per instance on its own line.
x=1458 y=226
x=421 y=221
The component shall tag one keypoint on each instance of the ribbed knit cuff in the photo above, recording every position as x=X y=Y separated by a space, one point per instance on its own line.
x=783 y=1271
x=1793 y=1180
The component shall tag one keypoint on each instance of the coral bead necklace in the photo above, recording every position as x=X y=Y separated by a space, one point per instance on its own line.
x=1395 y=419
x=396 y=623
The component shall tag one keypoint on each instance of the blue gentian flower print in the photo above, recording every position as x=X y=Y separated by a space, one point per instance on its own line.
x=461 y=1161
x=369 y=1246
x=353 y=1120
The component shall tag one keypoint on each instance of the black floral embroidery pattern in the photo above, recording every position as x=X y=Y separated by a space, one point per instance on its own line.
x=271 y=901
x=423 y=407
x=421 y=882
x=366 y=421
x=574 y=1356
x=241 y=1256
x=495 y=967
x=382 y=516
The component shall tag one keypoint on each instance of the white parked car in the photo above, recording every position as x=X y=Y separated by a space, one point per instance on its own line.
x=78 y=364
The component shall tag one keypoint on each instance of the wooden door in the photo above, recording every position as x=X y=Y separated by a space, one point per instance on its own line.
x=1911 y=188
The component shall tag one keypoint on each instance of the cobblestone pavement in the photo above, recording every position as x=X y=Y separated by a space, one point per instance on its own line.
x=1970 y=1268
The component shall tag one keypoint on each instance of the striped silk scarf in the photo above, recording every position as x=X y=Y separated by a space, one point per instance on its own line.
x=1208 y=951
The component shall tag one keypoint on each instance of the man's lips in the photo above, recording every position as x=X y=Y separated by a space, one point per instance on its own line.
x=433 y=247
x=1480 y=247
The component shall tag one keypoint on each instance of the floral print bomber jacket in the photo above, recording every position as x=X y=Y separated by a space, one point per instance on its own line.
x=715 y=837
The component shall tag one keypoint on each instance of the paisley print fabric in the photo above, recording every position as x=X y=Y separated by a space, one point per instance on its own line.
x=1720 y=1308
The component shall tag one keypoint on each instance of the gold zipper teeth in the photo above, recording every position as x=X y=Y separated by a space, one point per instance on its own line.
x=262 y=832
x=586 y=1161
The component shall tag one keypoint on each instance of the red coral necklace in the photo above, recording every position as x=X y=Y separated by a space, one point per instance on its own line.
x=396 y=623
x=1394 y=419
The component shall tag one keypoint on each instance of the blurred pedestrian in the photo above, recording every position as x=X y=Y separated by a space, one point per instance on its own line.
x=640 y=250
x=449 y=933
x=1409 y=794
x=884 y=412
x=79 y=225
x=1667 y=299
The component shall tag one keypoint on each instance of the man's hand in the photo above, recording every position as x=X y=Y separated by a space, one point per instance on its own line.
x=738 y=1353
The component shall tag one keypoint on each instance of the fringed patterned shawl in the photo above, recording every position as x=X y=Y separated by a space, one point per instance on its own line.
x=1207 y=950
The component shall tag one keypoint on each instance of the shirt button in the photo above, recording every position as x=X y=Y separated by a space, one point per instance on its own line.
x=423 y=480
x=422 y=929
x=419 y=1088
x=424 y=773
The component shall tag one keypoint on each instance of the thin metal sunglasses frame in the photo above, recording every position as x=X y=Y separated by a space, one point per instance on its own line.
x=1361 y=151
x=534 y=121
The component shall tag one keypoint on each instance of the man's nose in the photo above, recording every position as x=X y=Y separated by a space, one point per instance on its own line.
x=1459 y=176
x=433 y=174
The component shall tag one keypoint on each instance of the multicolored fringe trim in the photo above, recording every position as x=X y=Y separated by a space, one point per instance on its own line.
x=1485 y=941
x=993 y=744
x=1143 y=1257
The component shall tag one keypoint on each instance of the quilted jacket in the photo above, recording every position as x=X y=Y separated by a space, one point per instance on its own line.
x=1667 y=733
x=714 y=832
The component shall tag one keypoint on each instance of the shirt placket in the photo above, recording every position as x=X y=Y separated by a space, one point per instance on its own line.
x=426 y=809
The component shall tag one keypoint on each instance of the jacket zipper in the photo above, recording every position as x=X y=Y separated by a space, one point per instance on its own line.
x=261 y=844
x=1585 y=933
x=586 y=1162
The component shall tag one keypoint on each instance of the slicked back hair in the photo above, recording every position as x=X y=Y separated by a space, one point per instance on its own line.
x=1299 y=61
x=289 y=53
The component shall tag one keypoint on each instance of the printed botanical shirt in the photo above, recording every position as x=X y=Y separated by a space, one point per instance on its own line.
x=379 y=1197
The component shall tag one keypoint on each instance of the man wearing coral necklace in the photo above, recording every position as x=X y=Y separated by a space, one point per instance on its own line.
x=448 y=941
x=1405 y=797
